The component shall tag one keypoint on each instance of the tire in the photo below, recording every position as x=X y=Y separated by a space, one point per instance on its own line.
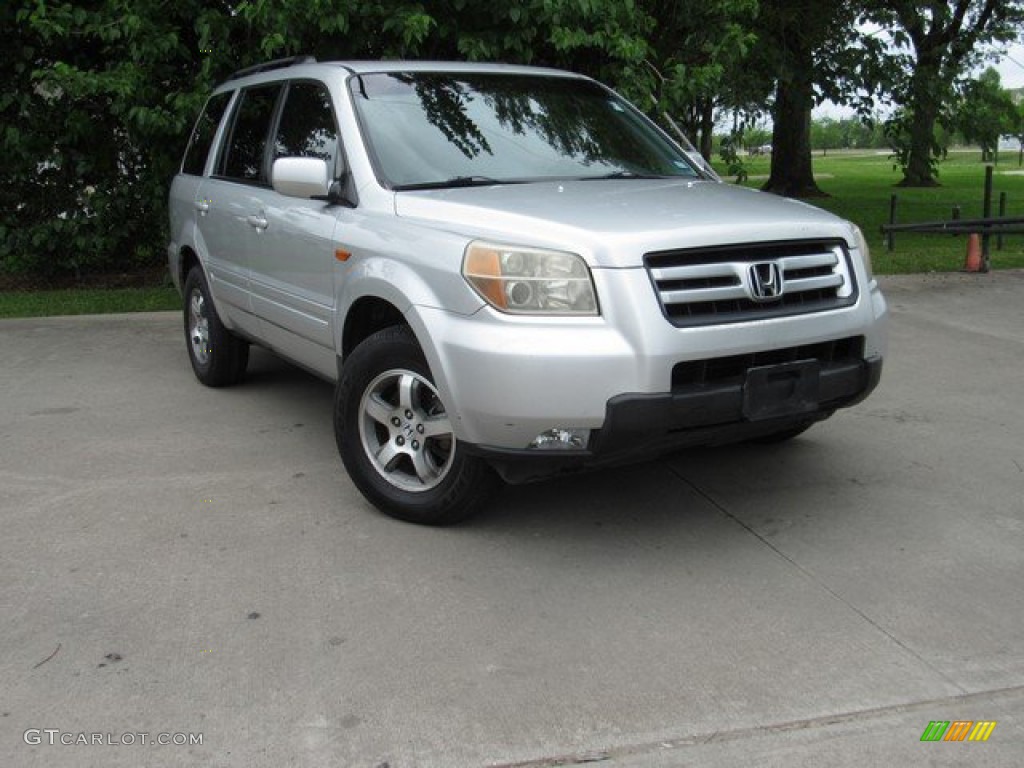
x=218 y=357
x=396 y=440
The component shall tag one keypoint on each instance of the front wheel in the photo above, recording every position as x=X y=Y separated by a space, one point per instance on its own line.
x=396 y=439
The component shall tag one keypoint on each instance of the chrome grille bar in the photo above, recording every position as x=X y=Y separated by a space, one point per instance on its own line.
x=707 y=286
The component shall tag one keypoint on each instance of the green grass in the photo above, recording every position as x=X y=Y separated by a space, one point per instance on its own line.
x=859 y=185
x=87 y=301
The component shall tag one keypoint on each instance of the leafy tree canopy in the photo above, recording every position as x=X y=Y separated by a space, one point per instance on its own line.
x=985 y=112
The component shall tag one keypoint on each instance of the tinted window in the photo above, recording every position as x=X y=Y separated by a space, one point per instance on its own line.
x=431 y=127
x=202 y=134
x=307 y=125
x=245 y=154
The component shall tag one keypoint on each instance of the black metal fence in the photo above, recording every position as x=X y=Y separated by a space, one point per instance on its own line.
x=989 y=227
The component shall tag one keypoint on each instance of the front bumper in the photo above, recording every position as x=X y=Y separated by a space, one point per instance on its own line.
x=640 y=426
x=505 y=380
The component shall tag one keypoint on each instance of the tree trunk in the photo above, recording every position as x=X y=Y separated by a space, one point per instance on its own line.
x=707 y=128
x=925 y=95
x=792 y=174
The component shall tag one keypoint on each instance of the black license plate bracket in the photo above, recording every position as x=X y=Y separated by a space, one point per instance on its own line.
x=787 y=389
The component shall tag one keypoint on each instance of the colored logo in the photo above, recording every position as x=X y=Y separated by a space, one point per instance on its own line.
x=958 y=730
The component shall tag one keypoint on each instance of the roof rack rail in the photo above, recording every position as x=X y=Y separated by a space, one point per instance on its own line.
x=291 y=61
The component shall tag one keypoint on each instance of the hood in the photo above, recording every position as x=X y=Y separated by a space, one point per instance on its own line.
x=614 y=222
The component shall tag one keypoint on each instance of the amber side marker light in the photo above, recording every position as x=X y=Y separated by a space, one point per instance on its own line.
x=483 y=268
x=341 y=255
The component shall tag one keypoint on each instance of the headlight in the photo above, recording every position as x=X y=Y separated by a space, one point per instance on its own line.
x=530 y=281
x=865 y=252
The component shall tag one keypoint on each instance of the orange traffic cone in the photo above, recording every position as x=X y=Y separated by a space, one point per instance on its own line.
x=973 y=261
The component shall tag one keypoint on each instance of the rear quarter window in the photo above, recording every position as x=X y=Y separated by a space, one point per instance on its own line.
x=205 y=129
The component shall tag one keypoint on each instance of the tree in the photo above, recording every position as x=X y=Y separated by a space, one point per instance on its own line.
x=986 y=112
x=827 y=134
x=109 y=89
x=696 y=55
x=78 y=182
x=804 y=44
x=936 y=42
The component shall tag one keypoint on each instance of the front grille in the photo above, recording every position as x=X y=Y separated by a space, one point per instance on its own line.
x=713 y=286
x=733 y=369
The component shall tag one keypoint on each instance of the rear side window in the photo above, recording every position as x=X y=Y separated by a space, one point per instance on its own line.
x=307 y=127
x=202 y=134
x=246 y=151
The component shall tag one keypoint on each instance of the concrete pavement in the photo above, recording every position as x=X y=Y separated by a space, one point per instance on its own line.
x=181 y=560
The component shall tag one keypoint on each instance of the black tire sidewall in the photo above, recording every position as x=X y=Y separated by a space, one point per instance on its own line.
x=228 y=355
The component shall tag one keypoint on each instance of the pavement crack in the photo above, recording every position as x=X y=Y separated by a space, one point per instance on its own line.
x=812 y=577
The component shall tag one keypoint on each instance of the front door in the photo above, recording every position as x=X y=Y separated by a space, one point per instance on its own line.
x=293 y=263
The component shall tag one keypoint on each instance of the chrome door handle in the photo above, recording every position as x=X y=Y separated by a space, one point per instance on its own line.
x=203 y=206
x=258 y=221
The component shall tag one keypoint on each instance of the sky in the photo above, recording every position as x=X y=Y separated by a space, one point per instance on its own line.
x=1011 y=67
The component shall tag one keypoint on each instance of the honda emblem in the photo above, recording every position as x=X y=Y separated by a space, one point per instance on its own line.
x=765 y=281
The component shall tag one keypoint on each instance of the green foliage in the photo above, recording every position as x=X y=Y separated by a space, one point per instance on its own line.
x=734 y=165
x=83 y=189
x=846 y=133
x=897 y=129
x=986 y=112
x=826 y=134
x=694 y=68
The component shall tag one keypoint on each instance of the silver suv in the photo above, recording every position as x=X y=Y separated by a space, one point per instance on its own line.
x=509 y=272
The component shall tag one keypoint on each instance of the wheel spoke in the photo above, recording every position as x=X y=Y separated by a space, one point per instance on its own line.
x=424 y=471
x=387 y=456
x=437 y=426
x=405 y=391
x=378 y=410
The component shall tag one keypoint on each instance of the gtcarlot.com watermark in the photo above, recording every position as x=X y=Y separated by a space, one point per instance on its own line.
x=55 y=736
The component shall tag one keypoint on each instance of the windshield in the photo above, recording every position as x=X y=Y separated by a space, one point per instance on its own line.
x=440 y=129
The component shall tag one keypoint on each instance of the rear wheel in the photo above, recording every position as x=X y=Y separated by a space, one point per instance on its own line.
x=218 y=357
x=396 y=439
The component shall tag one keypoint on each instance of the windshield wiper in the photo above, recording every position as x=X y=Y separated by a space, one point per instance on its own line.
x=629 y=175
x=453 y=183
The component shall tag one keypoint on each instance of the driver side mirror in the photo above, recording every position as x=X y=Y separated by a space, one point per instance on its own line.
x=304 y=177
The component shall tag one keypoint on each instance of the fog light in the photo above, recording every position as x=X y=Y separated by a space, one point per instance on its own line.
x=558 y=439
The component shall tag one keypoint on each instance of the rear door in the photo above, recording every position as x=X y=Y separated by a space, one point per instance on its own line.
x=188 y=192
x=236 y=193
